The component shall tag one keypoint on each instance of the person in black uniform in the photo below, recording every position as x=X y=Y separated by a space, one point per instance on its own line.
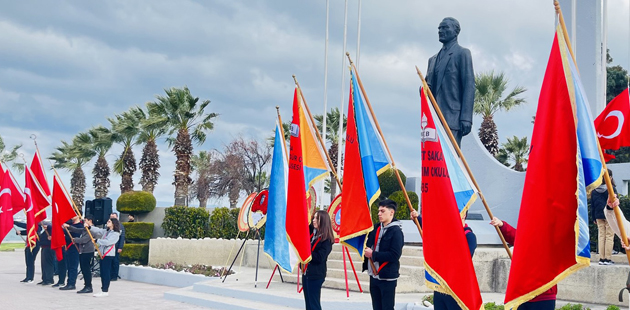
x=48 y=255
x=383 y=251
x=29 y=254
x=71 y=256
x=119 y=248
x=322 y=239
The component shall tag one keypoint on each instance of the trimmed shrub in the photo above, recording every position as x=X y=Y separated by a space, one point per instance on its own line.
x=223 y=223
x=389 y=182
x=611 y=307
x=574 y=307
x=186 y=222
x=490 y=305
x=135 y=253
x=135 y=202
x=138 y=230
x=403 y=210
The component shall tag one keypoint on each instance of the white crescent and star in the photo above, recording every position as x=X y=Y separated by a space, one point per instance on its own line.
x=620 y=119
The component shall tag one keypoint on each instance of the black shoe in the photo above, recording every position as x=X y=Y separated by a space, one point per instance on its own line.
x=41 y=283
x=57 y=284
x=68 y=288
x=47 y=283
x=86 y=289
x=25 y=280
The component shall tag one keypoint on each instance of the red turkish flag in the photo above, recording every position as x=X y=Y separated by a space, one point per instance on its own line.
x=6 y=206
x=38 y=171
x=17 y=195
x=613 y=124
x=62 y=211
x=36 y=203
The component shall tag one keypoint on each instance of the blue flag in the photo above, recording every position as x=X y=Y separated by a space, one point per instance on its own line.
x=277 y=246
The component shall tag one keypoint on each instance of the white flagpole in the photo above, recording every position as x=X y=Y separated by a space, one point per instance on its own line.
x=359 y=36
x=343 y=77
x=325 y=90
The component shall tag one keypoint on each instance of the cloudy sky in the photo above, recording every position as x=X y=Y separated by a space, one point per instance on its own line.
x=66 y=66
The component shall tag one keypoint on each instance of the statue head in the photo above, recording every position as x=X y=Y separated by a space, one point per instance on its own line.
x=448 y=30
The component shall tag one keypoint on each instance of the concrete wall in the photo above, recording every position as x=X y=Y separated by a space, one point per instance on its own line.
x=214 y=252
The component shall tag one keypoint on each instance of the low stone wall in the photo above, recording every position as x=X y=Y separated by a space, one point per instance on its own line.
x=595 y=284
x=206 y=251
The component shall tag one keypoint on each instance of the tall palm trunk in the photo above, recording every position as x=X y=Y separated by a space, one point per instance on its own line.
x=150 y=166
x=332 y=152
x=101 y=178
x=129 y=167
x=489 y=136
x=183 y=151
x=77 y=187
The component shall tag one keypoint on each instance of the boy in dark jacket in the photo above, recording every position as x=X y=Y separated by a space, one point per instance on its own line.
x=383 y=250
x=48 y=255
x=29 y=254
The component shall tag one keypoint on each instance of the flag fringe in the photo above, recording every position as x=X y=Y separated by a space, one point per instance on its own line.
x=443 y=287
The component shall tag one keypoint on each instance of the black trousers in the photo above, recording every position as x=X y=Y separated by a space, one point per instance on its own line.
x=538 y=305
x=72 y=264
x=48 y=260
x=106 y=269
x=115 y=265
x=312 y=293
x=29 y=258
x=383 y=294
x=444 y=302
x=85 y=261
x=61 y=267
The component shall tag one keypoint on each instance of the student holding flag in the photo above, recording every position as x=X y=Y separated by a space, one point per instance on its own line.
x=384 y=248
x=30 y=254
x=322 y=239
x=544 y=301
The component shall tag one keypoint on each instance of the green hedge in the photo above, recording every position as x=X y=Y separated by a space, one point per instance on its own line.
x=138 y=230
x=402 y=213
x=135 y=202
x=133 y=252
x=389 y=182
x=223 y=223
x=186 y=222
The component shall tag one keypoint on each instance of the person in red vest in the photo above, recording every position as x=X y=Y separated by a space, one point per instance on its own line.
x=544 y=301
x=322 y=239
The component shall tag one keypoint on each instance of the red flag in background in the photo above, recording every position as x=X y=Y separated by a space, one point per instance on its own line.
x=62 y=211
x=36 y=203
x=297 y=211
x=613 y=124
x=6 y=206
x=38 y=171
x=17 y=195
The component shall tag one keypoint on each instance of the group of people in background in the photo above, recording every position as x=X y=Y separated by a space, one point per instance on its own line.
x=384 y=249
x=78 y=252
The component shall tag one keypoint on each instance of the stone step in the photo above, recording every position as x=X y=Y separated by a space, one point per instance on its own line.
x=404 y=261
x=212 y=301
x=408 y=250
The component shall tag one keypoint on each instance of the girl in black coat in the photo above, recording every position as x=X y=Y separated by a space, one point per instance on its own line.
x=322 y=240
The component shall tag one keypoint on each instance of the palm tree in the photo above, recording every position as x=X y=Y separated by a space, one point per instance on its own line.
x=517 y=150
x=150 y=160
x=488 y=100
x=73 y=157
x=125 y=129
x=7 y=156
x=184 y=117
x=101 y=141
x=332 y=136
x=201 y=188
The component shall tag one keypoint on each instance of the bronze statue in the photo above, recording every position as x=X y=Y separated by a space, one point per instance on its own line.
x=452 y=80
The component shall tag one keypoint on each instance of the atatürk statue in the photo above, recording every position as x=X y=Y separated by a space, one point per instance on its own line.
x=452 y=81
